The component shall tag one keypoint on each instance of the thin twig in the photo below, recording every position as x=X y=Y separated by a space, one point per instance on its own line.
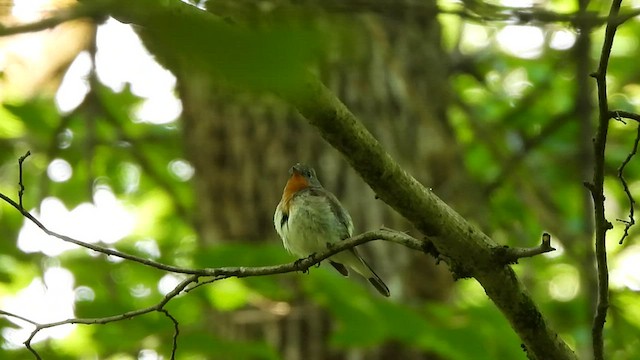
x=619 y=114
x=602 y=225
x=20 y=184
x=94 y=247
x=299 y=265
x=127 y=315
x=302 y=265
x=6 y=313
x=93 y=9
x=176 y=332
x=628 y=223
x=510 y=255
x=223 y=273
x=202 y=283
x=215 y=273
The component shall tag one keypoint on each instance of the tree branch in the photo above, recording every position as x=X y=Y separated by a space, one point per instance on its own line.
x=221 y=273
x=628 y=223
x=224 y=272
x=194 y=274
x=216 y=274
x=300 y=265
x=602 y=225
x=452 y=235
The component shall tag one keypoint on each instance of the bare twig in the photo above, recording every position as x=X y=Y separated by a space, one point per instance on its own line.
x=602 y=225
x=619 y=114
x=176 y=332
x=127 y=315
x=202 y=283
x=94 y=247
x=93 y=9
x=510 y=255
x=302 y=265
x=628 y=223
x=221 y=273
x=20 y=184
x=6 y=313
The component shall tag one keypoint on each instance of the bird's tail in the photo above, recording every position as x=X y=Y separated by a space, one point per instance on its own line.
x=354 y=261
x=375 y=280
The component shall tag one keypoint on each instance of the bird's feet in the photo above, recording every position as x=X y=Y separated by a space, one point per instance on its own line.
x=298 y=264
x=305 y=269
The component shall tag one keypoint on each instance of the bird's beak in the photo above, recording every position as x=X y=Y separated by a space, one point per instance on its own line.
x=295 y=169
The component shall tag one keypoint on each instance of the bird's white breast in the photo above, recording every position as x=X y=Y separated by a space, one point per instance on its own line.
x=310 y=225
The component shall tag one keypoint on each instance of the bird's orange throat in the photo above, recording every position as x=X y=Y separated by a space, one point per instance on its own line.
x=296 y=183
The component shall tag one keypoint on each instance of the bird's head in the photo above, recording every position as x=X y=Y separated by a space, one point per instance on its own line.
x=301 y=177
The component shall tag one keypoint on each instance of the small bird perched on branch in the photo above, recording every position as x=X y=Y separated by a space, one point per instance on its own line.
x=309 y=218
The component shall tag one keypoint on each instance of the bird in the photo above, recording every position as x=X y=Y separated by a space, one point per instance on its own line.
x=310 y=218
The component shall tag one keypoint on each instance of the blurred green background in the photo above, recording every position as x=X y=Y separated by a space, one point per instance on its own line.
x=165 y=141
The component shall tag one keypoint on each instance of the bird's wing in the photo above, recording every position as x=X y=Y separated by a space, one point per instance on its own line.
x=334 y=204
